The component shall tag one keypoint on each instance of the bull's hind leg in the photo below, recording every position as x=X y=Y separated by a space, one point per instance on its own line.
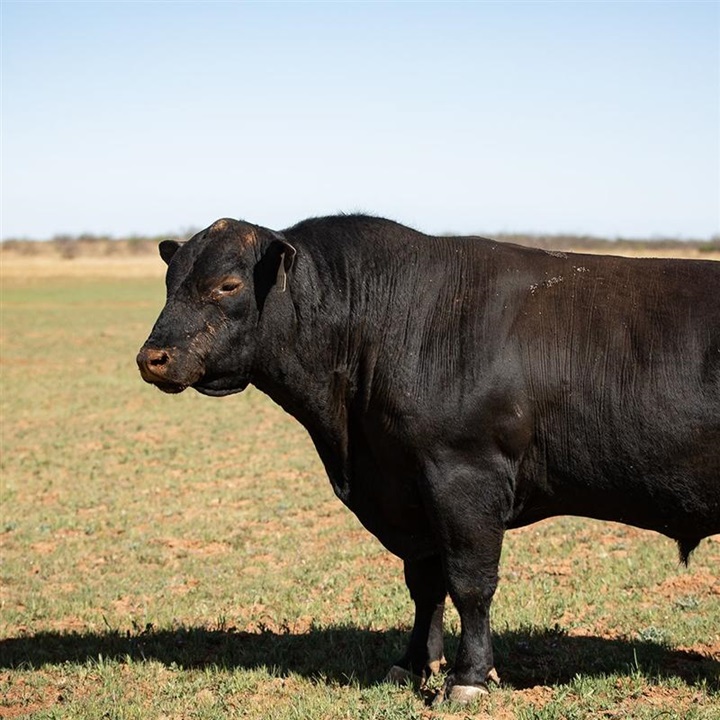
x=468 y=513
x=424 y=656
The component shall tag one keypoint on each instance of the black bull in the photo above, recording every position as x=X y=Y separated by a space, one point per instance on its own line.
x=458 y=387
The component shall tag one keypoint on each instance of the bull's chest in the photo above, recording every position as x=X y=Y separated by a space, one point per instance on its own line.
x=377 y=478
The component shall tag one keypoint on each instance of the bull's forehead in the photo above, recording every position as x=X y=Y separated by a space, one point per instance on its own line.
x=235 y=231
x=224 y=238
x=241 y=231
x=213 y=251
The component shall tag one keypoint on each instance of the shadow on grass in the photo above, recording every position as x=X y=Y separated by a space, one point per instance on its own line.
x=345 y=654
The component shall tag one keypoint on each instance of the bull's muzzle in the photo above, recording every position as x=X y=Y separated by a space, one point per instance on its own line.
x=157 y=367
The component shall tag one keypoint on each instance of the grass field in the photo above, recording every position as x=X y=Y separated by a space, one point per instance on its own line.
x=184 y=557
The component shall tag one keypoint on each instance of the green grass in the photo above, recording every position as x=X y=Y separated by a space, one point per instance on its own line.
x=184 y=557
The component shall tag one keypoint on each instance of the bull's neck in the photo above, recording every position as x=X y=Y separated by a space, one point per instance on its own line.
x=315 y=357
x=307 y=344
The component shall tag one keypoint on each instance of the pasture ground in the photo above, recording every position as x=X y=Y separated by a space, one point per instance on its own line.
x=184 y=557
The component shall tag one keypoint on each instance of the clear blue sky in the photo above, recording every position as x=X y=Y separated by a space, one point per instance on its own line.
x=148 y=117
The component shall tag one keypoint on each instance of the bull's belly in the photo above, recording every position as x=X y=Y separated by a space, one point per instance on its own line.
x=662 y=475
x=674 y=504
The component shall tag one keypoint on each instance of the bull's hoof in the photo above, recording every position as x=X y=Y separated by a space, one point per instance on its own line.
x=465 y=694
x=460 y=694
x=493 y=677
x=400 y=676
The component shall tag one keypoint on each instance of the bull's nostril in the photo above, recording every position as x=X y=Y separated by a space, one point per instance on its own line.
x=153 y=363
x=159 y=358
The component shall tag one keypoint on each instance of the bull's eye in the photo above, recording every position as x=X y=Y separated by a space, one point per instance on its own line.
x=229 y=286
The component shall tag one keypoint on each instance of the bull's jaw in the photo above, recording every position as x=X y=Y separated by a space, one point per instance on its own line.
x=211 y=391
x=176 y=388
x=170 y=388
x=167 y=386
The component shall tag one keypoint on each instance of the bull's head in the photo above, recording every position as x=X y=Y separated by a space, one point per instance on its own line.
x=217 y=285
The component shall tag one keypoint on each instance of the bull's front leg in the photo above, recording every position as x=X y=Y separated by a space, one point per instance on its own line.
x=468 y=508
x=424 y=657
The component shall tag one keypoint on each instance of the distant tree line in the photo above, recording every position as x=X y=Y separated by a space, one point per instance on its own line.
x=592 y=243
x=87 y=244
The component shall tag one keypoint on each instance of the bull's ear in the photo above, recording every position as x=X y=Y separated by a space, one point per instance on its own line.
x=273 y=267
x=287 y=259
x=167 y=249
